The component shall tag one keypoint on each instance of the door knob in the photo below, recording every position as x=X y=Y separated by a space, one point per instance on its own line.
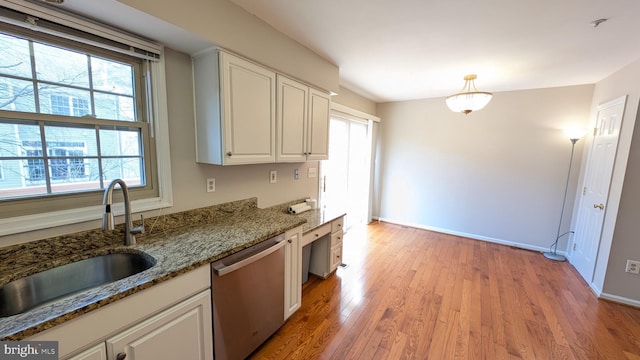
x=598 y=206
x=121 y=356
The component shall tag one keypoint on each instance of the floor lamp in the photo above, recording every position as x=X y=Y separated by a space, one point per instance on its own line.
x=574 y=136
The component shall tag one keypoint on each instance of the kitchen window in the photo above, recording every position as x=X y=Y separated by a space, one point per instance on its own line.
x=76 y=111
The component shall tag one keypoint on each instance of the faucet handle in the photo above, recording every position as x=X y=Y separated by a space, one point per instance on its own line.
x=142 y=224
x=138 y=229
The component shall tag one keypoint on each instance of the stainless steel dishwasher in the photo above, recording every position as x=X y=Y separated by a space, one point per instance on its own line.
x=248 y=298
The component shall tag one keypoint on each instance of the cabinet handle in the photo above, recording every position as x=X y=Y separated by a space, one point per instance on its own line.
x=229 y=153
x=121 y=356
x=289 y=241
x=317 y=235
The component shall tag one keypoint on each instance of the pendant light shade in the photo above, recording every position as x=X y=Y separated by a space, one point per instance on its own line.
x=469 y=98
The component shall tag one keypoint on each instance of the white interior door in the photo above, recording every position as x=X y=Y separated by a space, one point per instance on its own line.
x=595 y=190
x=346 y=175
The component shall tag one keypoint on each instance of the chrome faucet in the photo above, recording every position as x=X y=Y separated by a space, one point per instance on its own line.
x=107 y=218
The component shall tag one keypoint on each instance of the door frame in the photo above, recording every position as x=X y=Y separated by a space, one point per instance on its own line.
x=615 y=191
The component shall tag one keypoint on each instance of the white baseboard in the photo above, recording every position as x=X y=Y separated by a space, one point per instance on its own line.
x=620 y=299
x=471 y=236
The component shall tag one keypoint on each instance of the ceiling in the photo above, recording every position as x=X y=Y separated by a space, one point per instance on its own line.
x=410 y=49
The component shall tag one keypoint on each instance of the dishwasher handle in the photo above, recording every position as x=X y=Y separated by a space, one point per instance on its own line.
x=221 y=268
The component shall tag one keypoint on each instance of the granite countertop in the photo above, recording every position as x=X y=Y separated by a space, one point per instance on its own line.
x=212 y=233
x=314 y=217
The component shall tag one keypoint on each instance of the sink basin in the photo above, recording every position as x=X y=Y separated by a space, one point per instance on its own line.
x=38 y=289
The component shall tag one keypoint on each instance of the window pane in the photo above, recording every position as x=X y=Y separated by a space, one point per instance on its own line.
x=61 y=66
x=16 y=95
x=14 y=56
x=120 y=142
x=111 y=76
x=74 y=141
x=79 y=175
x=15 y=182
x=59 y=100
x=129 y=170
x=114 y=107
x=16 y=139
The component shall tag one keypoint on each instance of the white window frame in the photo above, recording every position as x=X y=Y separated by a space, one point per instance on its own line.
x=159 y=125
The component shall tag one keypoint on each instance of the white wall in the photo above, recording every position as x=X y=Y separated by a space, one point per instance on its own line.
x=225 y=24
x=349 y=98
x=497 y=174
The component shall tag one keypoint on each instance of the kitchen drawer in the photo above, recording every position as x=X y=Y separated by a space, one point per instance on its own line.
x=336 y=238
x=316 y=234
x=336 y=256
x=337 y=224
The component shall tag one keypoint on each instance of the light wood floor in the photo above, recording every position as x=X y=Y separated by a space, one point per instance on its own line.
x=414 y=294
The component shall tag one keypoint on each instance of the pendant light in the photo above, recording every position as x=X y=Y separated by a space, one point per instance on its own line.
x=469 y=98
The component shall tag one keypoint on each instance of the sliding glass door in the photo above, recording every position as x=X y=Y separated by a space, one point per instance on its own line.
x=346 y=176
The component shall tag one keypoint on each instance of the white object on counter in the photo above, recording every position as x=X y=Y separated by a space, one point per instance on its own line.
x=299 y=209
x=292 y=209
x=313 y=203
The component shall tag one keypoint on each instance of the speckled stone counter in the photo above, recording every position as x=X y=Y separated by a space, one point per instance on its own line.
x=314 y=218
x=178 y=242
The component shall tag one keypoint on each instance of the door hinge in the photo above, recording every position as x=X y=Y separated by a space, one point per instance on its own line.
x=595 y=131
x=574 y=246
x=584 y=190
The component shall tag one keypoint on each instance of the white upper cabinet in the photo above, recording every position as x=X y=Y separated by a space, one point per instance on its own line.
x=235 y=110
x=302 y=122
x=318 y=131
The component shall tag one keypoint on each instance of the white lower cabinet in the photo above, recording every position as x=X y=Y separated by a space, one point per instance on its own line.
x=98 y=352
x=181 y=332
x=326 y=251
x=292 y=272
x=171 y=320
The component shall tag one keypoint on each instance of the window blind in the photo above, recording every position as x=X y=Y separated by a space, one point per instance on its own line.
x=70 y=26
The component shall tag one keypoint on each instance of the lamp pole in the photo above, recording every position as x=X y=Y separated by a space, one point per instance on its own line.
x=552 y=254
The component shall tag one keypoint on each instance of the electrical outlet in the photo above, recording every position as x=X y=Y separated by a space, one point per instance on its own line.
x=311 y=172
x=211 y=184
x=296 y=174
x=633 y=267
x=273 y=177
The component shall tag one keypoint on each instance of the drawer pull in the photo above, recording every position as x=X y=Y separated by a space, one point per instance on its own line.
x=121 y=356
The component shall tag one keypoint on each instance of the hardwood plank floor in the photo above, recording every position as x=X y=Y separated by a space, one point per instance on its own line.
x=414 y=294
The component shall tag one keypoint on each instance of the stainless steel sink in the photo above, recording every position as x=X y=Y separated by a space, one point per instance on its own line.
x=38 y=289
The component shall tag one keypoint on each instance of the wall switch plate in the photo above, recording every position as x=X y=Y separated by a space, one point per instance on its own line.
x=273 y=177
x=211 y=184
x=312 y=172
x=633 y=267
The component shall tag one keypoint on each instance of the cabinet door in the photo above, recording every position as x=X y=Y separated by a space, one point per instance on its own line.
x=318 y=130
x=98 y=352
x=248 y=111
x=293 y=273
x=183 y=332
x=291 y=121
